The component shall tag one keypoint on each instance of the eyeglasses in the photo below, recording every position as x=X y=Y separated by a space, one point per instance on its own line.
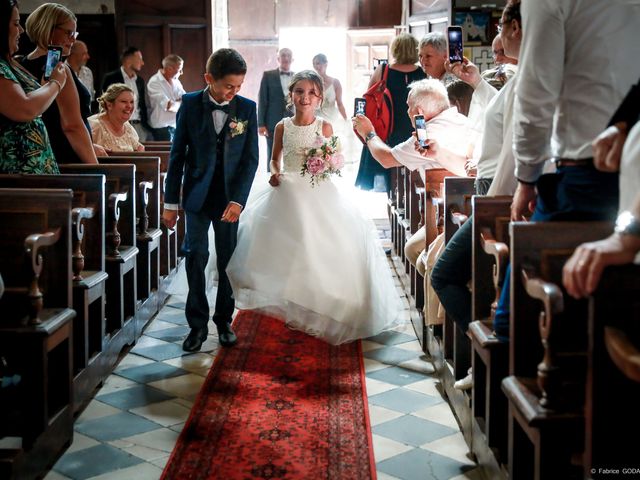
x=70 y=33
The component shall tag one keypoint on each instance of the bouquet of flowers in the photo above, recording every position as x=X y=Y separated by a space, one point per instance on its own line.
x=322 y=159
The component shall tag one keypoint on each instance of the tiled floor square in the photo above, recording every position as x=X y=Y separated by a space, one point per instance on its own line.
x=391 y=355
x=390 y=337
x=142 y=471
x=150 y=373
x=134 y=397
x=384 y=448
x=396 y=376
x=173 y=334
x=115 y=426
x=185 y=386
x=162 y=352
x=94 y=461
x=164 y=413
x=412 y=430
x=452 y=446
x=419 y=464
x=404 y=401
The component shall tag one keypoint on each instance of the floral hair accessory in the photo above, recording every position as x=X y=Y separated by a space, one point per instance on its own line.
x=322 y=159
x=237 y=127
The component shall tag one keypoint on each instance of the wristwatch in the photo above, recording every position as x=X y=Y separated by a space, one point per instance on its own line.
x=369 y=136
x=627 y=224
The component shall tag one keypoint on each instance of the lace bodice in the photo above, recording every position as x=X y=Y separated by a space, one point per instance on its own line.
x=296 y=140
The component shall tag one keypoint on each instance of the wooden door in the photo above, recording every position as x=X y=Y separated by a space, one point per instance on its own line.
x=182 y=27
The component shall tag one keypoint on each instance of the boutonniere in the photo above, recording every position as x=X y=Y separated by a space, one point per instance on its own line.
x=237 y=127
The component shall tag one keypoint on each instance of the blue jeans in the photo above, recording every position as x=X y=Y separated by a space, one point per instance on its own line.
x=571 y=194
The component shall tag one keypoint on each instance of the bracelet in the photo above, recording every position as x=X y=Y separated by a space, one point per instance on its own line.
x=53 y=80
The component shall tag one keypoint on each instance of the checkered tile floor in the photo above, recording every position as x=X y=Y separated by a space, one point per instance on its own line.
x=129 y=429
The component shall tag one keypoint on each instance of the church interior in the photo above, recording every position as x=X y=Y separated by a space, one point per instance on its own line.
x=98 y=378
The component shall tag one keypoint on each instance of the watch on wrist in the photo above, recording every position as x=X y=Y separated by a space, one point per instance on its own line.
x=627 y=224
x=369 y=136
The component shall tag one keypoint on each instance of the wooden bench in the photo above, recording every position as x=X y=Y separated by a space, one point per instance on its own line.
x=36 y=332
x=148 y=232
x=122 y=324
x=613 y=381
x=490 y=357
x=89 y=276
x=547 y=351
x=171 y=239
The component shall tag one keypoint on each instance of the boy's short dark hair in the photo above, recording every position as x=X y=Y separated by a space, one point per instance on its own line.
x=127 y=52
x=226 y=61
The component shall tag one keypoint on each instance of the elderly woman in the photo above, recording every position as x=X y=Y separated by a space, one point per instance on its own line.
x=55 y=24
x=111 y=128
x=24 y=142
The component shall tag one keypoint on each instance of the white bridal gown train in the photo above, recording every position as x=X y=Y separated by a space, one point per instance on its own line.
x=307 y=255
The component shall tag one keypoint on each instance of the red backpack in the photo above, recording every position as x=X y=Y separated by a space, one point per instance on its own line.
x=379 y=107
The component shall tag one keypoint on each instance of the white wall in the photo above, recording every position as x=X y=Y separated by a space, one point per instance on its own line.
x=76 y=6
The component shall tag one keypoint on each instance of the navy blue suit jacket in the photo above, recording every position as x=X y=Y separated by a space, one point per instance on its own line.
x=193 y=152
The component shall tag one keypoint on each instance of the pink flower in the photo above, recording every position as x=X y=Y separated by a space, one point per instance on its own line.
x=318 y=141
x=315 y=165
x=336 y=161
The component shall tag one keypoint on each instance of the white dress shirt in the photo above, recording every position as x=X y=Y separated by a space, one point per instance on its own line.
x=578 y=59
x=285 y=79
x=160 y=92
x=86 y=77
x=131 y=83
x=449 y=128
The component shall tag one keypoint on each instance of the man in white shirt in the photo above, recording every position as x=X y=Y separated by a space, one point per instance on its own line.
x=165 y=97
x=577 y=63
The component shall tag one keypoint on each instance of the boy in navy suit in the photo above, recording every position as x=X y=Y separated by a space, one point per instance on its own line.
x=214 y=158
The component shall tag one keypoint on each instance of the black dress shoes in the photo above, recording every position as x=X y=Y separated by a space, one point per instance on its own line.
x=226 y=335
x=195 y=339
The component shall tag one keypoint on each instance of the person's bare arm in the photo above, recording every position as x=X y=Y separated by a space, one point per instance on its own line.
x=377 y=75
x=338 y=89
x=276 y=155
x=72 y=124
x=378 y=149
x=19 y=106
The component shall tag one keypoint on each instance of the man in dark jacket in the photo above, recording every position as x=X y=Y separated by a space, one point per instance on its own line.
x=132 y=63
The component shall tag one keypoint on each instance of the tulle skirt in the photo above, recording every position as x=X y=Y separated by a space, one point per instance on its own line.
x=307 y=255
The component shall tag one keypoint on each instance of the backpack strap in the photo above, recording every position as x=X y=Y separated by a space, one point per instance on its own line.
x=385 y=71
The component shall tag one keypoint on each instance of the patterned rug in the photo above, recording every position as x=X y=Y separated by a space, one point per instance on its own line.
x=278 y=405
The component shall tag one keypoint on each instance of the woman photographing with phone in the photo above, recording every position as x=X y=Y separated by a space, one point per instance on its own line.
x=54 y=24
x=24 y=142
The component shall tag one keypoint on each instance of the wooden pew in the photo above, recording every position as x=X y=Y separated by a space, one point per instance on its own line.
x=547 y=351
x=171 y=239
x=613 y=381
x=157 y=146
x=428 y=196
x=122 y=326
x=36 y=332
x=89 y=276
x=148 y=233
x=490 y=357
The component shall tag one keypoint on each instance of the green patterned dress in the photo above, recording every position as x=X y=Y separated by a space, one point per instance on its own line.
x=24 y=146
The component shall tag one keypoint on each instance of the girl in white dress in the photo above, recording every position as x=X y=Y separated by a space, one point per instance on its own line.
x=305 y=253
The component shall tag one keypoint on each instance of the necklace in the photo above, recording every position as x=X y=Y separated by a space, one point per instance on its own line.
x=118 y=132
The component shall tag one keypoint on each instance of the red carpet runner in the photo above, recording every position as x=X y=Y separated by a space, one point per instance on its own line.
x=278 y=405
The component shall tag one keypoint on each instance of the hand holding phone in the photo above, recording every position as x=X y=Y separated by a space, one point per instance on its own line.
x=454 y=37
x=359 y=105
x=54 y=54
x=421 y=130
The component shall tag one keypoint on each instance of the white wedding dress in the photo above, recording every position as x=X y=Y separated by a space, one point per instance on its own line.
x=308 y=256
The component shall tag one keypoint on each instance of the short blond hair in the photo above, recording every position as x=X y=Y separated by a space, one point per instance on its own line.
x=111 y=94
x=404 y=49
x=40 y=24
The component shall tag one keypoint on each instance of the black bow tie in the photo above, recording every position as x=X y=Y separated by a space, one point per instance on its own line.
x=288 y=74
x=215 y=106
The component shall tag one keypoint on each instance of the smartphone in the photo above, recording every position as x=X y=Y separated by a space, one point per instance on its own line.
x=421 y=130
x=454 y=36
x=54 y=54
x=359 y=105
